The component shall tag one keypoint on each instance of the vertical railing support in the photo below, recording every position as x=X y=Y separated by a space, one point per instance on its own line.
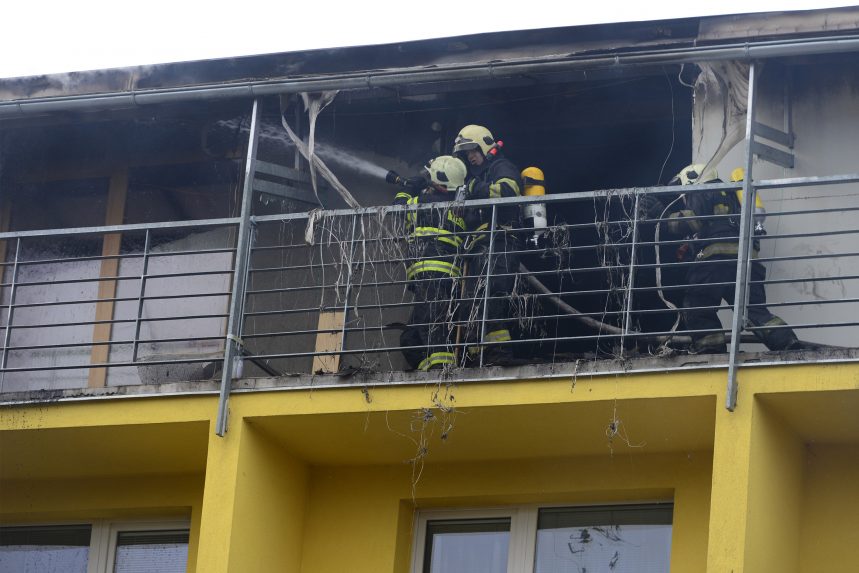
x=492 y=225
x=627 y=322
x=741 y=289
x=141 y=296
x=7 y=336
x=348 y=283
x=233 y=343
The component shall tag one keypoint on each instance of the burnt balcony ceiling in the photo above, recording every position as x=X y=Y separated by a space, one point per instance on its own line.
x=425 y=53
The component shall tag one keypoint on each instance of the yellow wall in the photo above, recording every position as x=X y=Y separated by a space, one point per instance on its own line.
x=271 y=494
x=362 y=510
x=775 y=495
x=829 y=535
x=315 y=481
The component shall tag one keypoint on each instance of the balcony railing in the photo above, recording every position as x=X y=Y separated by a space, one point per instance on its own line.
x=327 y=291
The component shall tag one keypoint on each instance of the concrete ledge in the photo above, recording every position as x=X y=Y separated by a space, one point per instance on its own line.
x=582 y=367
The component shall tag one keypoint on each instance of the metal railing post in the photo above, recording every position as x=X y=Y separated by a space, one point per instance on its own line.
x=7 y=336
x=348 y=284
x=627 y=322
x=140 y=296
x=233 y=342
x=741 y=288
x=492 y=226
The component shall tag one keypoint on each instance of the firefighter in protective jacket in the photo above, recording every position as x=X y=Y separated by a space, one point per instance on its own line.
x=713 y=275
x=492 y=176
x=435 y=239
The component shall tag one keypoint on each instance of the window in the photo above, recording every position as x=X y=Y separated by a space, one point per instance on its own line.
x=148 y=550
x=99 y=547
x=467 y=545
x=61 y=548
x=615 y=538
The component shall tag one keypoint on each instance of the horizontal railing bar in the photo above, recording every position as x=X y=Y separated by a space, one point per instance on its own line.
x=571 y=226
x=601 y=336
x=115 y=299
x=376 y=327
x=805 y=280
x=112 y=365
x=574 y=196
x=560 y=197
x=113 y=343
x=329 y=308
x=106 y=229
x=805 y=302
x=801 y=326
x=122 y=257
x=124 y=278
x=570 y=270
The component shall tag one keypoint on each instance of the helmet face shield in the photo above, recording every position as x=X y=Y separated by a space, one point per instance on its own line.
x=463 y=147
x=473 y=137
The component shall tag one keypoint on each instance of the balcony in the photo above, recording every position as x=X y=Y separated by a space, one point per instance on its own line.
x=320 y=298
x=250 y=271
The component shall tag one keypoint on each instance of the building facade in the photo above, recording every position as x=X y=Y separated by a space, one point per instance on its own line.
x=201 y=363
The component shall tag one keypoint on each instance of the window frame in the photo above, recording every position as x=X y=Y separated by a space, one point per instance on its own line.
x=523 y=528
x=104 y=533
x=115 y=527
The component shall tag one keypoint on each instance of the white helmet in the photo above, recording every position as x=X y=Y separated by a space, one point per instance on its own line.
x=691 y=174
x=447 y=171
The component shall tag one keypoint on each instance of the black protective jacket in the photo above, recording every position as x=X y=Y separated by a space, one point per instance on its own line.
x=498 y=177
x=717 y=235
x=434 y=235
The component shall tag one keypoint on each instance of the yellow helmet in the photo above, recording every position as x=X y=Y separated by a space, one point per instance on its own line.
x=691 y=174
x=473 y=137
x=447 y=171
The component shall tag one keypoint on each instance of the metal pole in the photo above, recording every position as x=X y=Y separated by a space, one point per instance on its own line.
x=488 y=281
x=741 y=288
x=628 y=319
x=140 y=297
x=348 y=283
x=233 y=344
x=9 y=315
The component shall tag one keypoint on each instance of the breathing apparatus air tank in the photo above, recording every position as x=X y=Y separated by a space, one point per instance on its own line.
x=535 y=213
x=737 y=176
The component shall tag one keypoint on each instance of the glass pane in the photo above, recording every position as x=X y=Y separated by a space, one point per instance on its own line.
x=467 y=546
x=615 y=539
x=60 y=549
x=151 y=552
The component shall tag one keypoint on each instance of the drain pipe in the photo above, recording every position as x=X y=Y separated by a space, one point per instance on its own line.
x=404 y=76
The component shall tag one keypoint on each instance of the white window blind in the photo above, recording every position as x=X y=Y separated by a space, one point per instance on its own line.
x=151 y=552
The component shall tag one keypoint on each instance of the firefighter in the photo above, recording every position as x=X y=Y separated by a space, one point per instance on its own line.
x=435 y=239
x=715 y=245
x=492 y=176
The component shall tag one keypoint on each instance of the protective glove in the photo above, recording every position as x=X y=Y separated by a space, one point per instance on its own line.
x=415 y=184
